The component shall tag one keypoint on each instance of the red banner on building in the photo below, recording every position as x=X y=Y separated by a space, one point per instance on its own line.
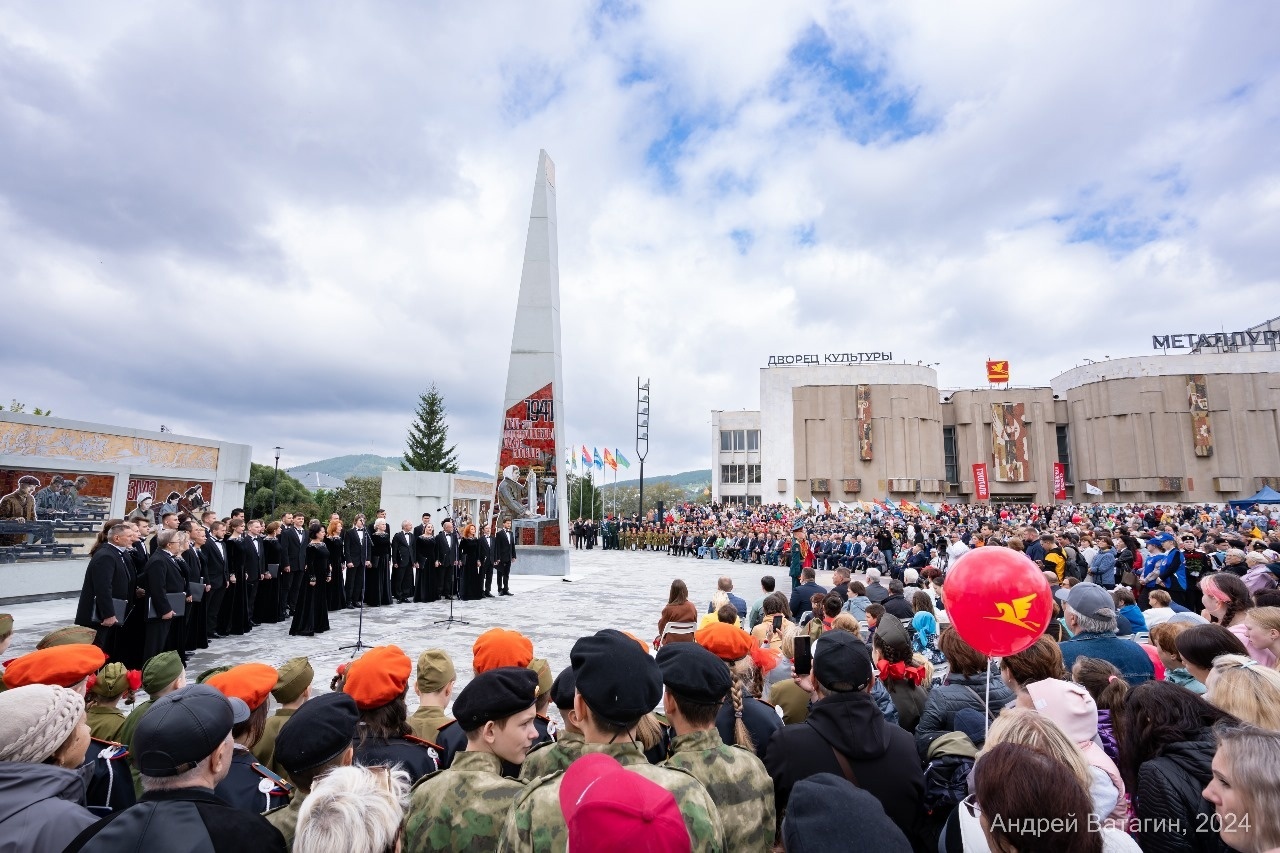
x=1059 y=481
x=997 y=371
x=981 y=489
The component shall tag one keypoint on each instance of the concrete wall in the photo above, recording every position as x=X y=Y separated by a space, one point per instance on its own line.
x=970 y=413
x=778 y=416
x=906 y=441
x=1130 y=425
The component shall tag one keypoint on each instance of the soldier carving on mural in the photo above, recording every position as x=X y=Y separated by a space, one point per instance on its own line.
x=512 y=497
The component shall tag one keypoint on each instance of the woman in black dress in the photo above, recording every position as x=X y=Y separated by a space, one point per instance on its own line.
x=469 y=553
x=426 y=585
x=312 y=614
x=234 y=616
x=266 y=607
x=337 y=594
x=377 y=583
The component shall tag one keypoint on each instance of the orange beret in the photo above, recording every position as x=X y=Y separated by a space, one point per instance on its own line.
x=250 y=682
x=378 y=677
x=500 y=647
x=725 y=641
x=62 y=666
x=642 y=643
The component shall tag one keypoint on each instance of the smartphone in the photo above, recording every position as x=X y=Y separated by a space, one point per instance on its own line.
x=777 y=624
x=803 y=664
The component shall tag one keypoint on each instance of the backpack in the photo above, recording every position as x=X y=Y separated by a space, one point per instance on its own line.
x=1076 y=567
x=946 y=778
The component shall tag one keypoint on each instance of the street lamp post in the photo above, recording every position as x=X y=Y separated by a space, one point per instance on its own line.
x=275 y=478
x=642 y=434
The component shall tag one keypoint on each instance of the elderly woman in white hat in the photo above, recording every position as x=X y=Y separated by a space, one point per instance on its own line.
x=143 y=510
x=43 y=738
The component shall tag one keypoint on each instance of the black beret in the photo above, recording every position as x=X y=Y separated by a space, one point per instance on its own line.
x=618 y=680
x=841 y=662
x=562 y=689
x=317 y=732
x=693 y=673
x=180 y=730
x=495 y=695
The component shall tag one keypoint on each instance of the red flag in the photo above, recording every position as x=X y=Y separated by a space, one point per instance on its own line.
x=997 y=371
x=981 y=489
x=1059 y=481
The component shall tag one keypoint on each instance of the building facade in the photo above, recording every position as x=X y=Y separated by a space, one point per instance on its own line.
x=1195 y=427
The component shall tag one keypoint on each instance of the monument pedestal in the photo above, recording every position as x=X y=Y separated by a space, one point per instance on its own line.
x=538 y=547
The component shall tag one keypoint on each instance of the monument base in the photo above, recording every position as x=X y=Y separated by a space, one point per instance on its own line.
x=537 y=560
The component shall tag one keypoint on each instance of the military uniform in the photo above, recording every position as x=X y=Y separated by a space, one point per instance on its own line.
x=427 y=722
x=264 y=750
x=553 y=757
x=417 y=756
x=462 y=808
x=105 y=721
x=251 y=786
x=109 y=788
x=738 y=783
x=536 y=823
x=286 y=819
x=125 y=736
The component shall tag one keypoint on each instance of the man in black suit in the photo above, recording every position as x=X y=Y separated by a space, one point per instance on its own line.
x=448 y=560
x=402 y=563
x=291 y=567
x=359 y=558
x=109 y=576
x=503 y=554
x=168 y=521
x=165 y=575
x=426 y=519
x=138 y=551
x=486 y=559
x=216 y=576
x=255 y=565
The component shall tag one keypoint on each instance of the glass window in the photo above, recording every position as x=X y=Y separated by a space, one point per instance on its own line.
x=733 y=474
x=726 y=440
x=949 y=464
x=735 y=439
x=753 y=473
x=753 y=439
x=1064 y=451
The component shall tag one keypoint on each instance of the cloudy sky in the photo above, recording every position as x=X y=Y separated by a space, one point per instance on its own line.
x=276 y=223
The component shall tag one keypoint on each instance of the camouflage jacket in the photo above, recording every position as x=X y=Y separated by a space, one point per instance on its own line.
x=536 y=824
x=462 y=808
x=738 y=784
x=552 y=757
x=286 y=819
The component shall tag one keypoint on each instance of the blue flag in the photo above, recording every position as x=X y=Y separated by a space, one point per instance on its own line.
x=599 y=462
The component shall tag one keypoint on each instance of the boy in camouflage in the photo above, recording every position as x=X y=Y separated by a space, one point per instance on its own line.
x=696 y=683
x=464 y=807
x=617 y=684
x=557 y=755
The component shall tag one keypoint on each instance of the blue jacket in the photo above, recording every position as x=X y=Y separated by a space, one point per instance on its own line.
x=1128 y=656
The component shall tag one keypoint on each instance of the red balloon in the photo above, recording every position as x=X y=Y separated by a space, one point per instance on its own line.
x=998 y=599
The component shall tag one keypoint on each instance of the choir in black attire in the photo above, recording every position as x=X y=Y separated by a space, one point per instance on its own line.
x=377 y=583
x=337 y=594
x=311 y=614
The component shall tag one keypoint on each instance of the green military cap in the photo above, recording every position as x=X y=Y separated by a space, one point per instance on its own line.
x=161 y=671
x=210 y=673
x=435 y=671
x=111 y=681
x=543 y=669
x=72 y=635
x=6 y=624
x=295 y=676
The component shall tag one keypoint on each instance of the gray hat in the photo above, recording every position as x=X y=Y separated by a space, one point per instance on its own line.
x=182 y=729
x=1089 y=600
x=35 y=720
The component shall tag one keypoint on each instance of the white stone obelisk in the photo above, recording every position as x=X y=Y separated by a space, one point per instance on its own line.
x=533 y=415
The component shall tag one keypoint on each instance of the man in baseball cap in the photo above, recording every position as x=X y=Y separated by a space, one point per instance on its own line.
x=617 y=684
x=846 y=734
x=1090 y=615
x=183 y=750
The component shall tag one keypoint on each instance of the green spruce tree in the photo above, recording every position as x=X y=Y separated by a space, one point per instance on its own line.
x=428 y=448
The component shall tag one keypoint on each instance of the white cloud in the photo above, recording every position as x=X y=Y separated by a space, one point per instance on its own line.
x=276 y=229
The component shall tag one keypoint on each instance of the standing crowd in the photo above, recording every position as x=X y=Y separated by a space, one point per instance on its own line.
x=1147 y=716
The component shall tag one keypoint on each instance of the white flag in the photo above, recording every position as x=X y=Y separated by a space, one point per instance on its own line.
x=1091 y=489
x=817 y=507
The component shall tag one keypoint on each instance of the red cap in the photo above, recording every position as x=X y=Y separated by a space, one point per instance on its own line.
x=609 y=809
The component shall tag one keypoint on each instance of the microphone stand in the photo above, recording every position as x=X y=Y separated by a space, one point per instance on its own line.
x=457 y=583
x=359 y=646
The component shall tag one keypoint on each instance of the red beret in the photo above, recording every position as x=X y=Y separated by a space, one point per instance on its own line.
x=500 y=647
x=250 y=682
x=63 y=666
x=378 y=677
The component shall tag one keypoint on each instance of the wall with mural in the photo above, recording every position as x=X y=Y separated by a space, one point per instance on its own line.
x=1009 y=443
x=169 y=495
x=19 y=439
x=64 y=495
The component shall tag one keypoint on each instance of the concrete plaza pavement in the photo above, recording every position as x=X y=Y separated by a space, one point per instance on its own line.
x=605 y=589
